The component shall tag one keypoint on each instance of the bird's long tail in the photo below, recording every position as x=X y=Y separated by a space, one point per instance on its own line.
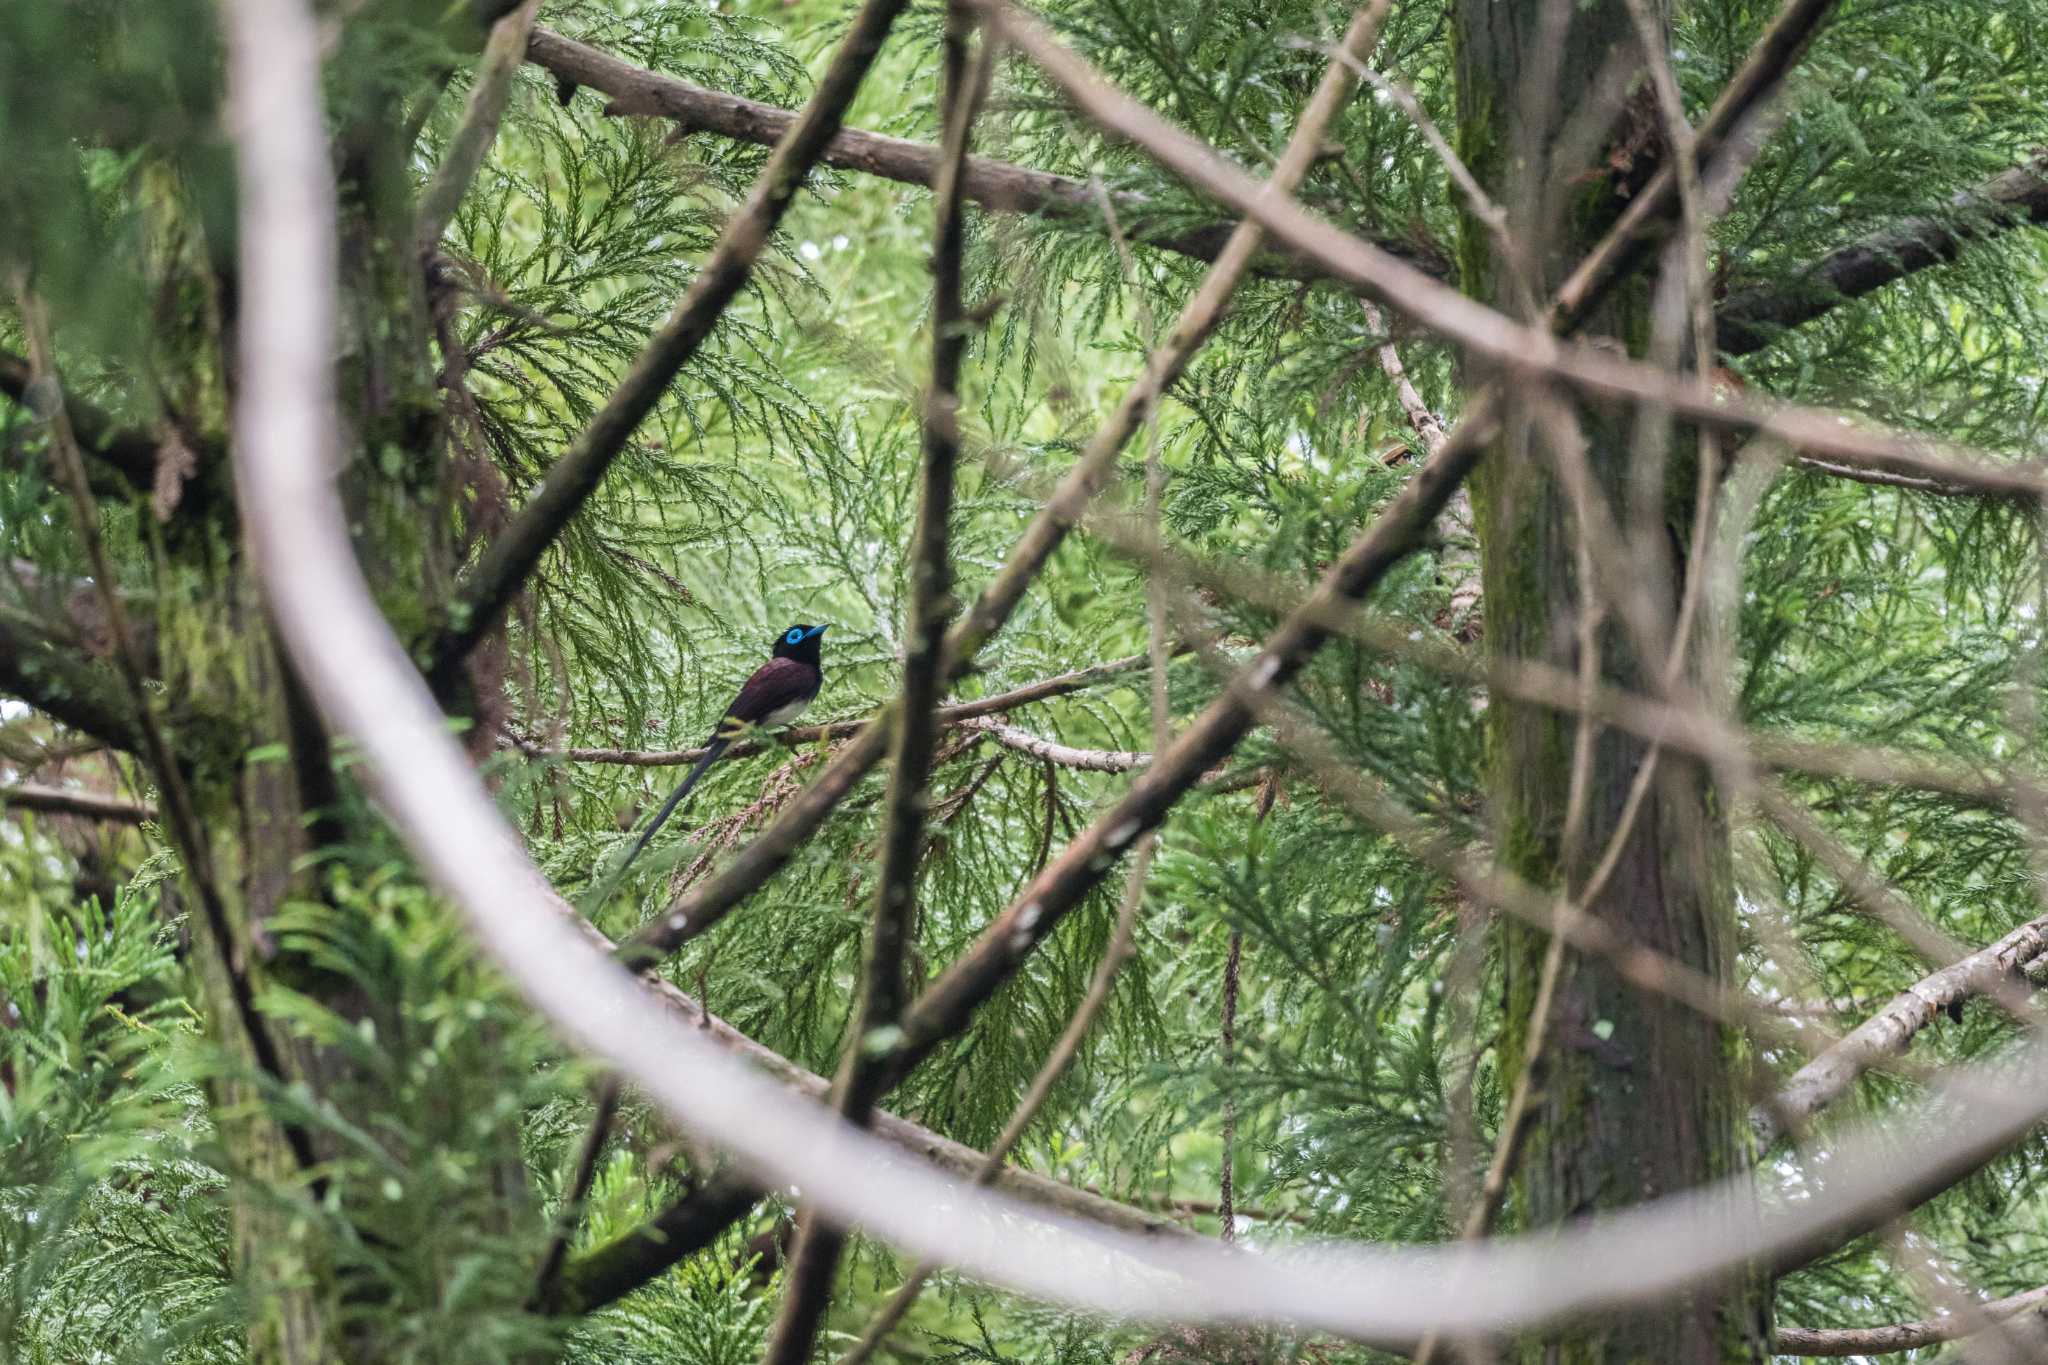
x=711 y=752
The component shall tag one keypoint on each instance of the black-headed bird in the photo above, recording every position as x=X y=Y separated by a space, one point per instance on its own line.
x=776 y=694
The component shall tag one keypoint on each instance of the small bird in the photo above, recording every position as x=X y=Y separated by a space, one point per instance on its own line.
x=776 y=694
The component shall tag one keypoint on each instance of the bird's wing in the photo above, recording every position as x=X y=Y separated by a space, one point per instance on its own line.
x=775 y=684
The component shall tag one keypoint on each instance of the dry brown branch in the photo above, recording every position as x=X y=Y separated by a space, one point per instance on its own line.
x=1902 y=1336
x=998 y=185
x=73 y=801
x=1751 y=319
x=1486 y=336
x=504 y=50
x=956 y=713
x=1891 y=1030
x=820 y=1242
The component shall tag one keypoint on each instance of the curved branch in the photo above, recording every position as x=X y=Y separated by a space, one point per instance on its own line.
x=363 y=682
x=1904 y=1336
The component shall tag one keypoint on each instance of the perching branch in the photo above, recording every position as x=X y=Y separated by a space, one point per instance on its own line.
x=819 y=1243
x=957 y=713
x=485 y=593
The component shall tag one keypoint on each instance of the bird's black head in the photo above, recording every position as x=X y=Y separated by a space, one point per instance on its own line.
x=800 y=642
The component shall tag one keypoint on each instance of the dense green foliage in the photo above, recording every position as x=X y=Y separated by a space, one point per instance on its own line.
x=777 y=483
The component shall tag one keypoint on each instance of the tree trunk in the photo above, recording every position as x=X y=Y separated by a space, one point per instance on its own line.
x=1635 y=1097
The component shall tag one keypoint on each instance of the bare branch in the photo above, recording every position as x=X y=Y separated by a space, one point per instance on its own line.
x=957 y=713
x=623 y=1265
x=1748 y=321
x=1903 y=1336
x=1065 y=756
x=504 y=50
x=950 y=1002
x=73 y=801
x=1122 y=941
x=1891 y=1030
x=996 y=185
x=819 y=1242
x=489 y=588
x=1484 y=334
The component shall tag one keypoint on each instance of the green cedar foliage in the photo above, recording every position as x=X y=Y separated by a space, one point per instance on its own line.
x=775 y=484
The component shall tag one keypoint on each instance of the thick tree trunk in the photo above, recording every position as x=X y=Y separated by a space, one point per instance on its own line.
x=1635 y=1097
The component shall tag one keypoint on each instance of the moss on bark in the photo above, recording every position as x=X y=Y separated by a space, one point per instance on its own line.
x=1636 y=1097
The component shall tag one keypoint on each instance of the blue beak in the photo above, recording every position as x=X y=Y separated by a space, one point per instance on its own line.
x=816 y=630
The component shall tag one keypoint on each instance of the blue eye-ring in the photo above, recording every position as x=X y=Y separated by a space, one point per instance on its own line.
x=795 y=636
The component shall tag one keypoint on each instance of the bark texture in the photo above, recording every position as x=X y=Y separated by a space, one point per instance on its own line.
x=1636 y=1097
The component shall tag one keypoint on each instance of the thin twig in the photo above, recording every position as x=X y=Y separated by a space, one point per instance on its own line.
x=956 y=713
x=1903 y=1336
x=819 y=1242
x=504 y=50
x=609 y=1091
x=1000 y=186
x=1486 y=335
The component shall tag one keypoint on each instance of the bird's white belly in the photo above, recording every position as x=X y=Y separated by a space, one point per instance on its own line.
x=783 y=715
